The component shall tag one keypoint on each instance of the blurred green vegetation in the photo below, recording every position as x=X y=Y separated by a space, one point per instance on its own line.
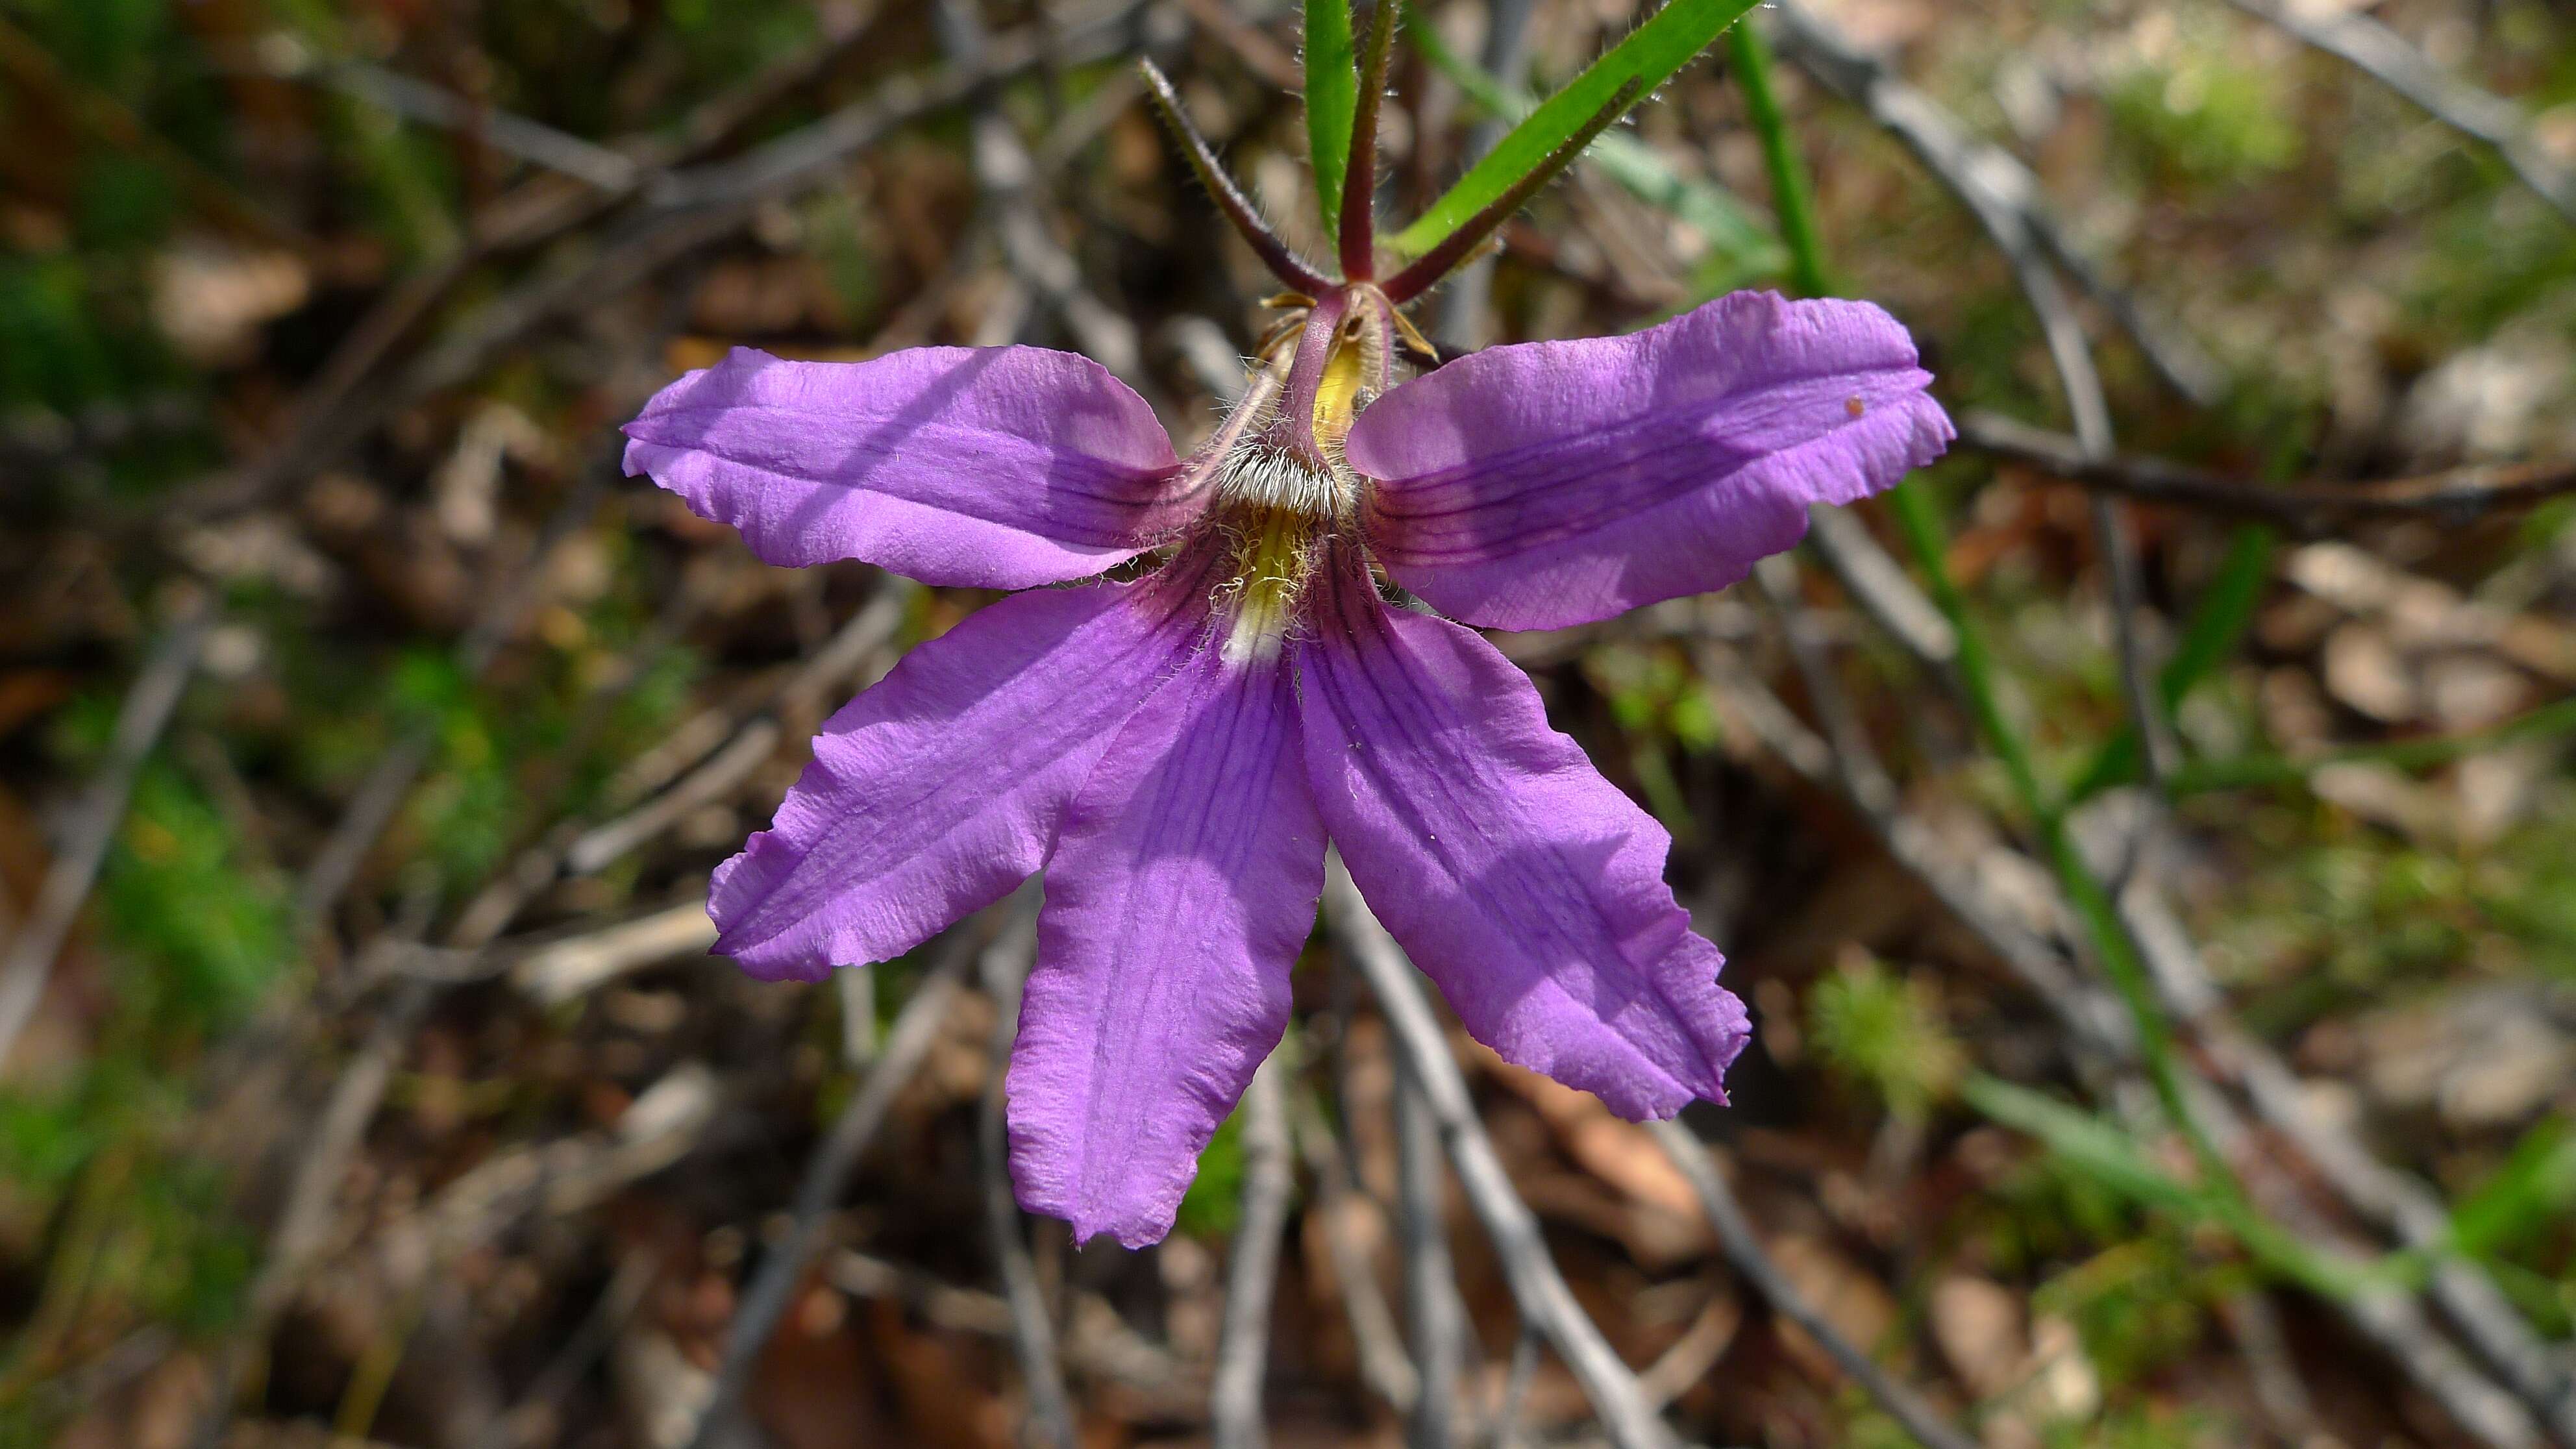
x=1884 y=1033
x=2264 y=196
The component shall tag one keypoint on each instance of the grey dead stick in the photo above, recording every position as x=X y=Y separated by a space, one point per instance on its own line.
x=2006 y=214
x=681 y=210
x=1464 y=300
x=1516 y=1382
x=1745 y=1253
x=1252 y=1275
x=773 y=1287
x=1005 y=969
x=335 y=865
x=529 y=217
x=2003 y=200
x=1384 y=1364
x=2382 y=54
x=82 y=850
x=1540 y=1288
x=2391 y=1320
x=1993 y=182
x=1433 y=1309
x=2452 y=495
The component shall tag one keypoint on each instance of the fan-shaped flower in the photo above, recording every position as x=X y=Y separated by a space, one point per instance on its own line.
x=1175 y=752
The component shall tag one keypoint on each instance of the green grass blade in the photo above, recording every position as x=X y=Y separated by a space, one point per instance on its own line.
x=1737 y=239
x=2535 y=1187
x=2101 y=1151
x=1332 y=96
x=1918 y=522
x=2108 y=1155
x=1649 y=56
x=2225 y=609
x=1791 y=201
x=2548 y=721
x=2097 y=1146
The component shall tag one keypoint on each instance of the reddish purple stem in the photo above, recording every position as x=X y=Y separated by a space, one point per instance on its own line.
x=1283 y=262
x=1426 y=271
x=1359 y=178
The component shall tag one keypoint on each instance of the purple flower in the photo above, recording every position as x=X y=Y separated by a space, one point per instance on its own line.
x=1175 y=752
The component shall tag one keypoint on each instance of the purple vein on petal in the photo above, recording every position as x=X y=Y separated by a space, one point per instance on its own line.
x=1183 y=885
x=1520 y=881
x=1550 y=484
x=936 y=792
x=988 y=467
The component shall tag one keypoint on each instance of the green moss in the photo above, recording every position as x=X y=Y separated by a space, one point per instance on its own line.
x=200 y=931
x=1884 y=1034
x=2201 y=118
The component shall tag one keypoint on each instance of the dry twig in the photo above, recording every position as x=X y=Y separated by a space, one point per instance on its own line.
x=562 y=970
x=2453 y=496
x=1005 y=968
x=2382 y=54
x=1535 y=1281
x=1243 y=1341
x=1433 y=1308
x=1463 y=302
x=82 y=850
x=2004 y=193
x=858 y=648
x=1744 y=1251
x=371 y=808
x=2389 y=1319
x=783 y=1268
x=532 y=141
x=1384 y=1365
x=685 y=209
x=2004 y=198
x=1102 y=1348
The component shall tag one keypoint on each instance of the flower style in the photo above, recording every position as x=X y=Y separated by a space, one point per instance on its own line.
x=1175 y=751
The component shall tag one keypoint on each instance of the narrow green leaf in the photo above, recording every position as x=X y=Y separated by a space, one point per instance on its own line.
x=2086 y=1142
x=1918 y=522
x=1737 y=239
x=2116 y=952
x=1649 y=56
x=2535 y=1187
x=2109 y=1156
x=2224 y=612
x=2219 y=620
x=1332 y=95
x=2427 y=752
x=1790 y=200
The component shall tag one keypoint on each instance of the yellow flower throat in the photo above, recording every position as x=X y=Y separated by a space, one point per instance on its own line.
x=1275 y=510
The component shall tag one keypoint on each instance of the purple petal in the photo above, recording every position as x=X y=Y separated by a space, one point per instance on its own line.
x=996 y=467
x=1555 y=483
x=1518 y=879
x=934 y=793
x=1176 y=902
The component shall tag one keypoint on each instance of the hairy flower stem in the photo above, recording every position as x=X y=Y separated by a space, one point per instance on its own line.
x=1275 y=253
x=1359 y=180
x=1440 y=261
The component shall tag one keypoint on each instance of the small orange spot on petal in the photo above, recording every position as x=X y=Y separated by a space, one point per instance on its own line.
x=1855 y=407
